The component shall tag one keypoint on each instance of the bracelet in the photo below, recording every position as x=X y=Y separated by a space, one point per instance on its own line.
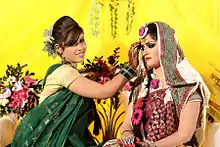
x=131 y=70
x=128 y=72
x=126 y=131
x=125 y=73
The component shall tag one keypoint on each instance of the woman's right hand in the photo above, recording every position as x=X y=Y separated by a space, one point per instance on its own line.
x=133 y=55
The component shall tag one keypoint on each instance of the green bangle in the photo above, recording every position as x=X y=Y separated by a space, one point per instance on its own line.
x=125 y=74
x=131 y=70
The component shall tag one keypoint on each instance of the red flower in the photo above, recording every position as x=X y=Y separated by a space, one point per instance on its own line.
x=23 y=94
x=105 y=69
x=111 y=59
x=19 y=96
x=138 y=141
x=99 y=61
x=104 y=79
x=139 y=104
x=15 y=104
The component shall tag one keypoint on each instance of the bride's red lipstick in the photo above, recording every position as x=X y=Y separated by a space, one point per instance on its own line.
x=148 y=58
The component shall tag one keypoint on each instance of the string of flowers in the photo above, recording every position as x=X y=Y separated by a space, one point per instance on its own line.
x=130 y=16
x=113 y=7
x=95 y=17
x=114 y=4
x=18 y=91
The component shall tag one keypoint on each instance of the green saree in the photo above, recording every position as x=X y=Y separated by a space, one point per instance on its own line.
x=62 y=119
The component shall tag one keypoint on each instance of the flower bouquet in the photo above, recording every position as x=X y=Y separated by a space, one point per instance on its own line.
x=18 y=91
x=102 y=70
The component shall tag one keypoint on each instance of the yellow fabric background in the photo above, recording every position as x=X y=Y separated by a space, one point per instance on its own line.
x=197 y=26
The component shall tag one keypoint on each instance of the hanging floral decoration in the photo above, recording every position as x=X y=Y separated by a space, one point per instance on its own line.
x=95 y=17
x=114 y=4
x=130 y=16
x=114 y=9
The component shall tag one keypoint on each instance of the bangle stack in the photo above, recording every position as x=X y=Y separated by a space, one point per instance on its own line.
x=128 y=72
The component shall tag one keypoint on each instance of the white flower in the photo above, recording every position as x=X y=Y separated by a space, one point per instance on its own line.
x=6 y=94
x=31 y=89
x=48 y=35
x=117 y=70
x=11 y=79
x=17 y=86
x=23 y=103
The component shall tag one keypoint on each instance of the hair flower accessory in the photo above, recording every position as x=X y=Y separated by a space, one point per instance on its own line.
x=154 y=83
x=49 y=43
x=143 y=31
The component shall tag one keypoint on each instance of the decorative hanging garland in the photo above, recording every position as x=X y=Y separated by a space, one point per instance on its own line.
x=95 y=17
x=113 y=7
x=130 y=16
x=114 y=4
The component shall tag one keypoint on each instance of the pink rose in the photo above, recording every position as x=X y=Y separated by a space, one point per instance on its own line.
x=29 y=81
x=19 y=97
x=21 y=94
x=14 y=104
x=141 y=31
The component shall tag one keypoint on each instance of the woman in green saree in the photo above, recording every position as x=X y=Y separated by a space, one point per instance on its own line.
x=66 y=108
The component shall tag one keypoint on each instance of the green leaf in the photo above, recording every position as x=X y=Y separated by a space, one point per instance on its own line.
x=32 y=74
x=27 y=73
x=88 y=60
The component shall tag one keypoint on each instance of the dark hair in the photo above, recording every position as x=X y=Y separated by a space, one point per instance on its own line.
x=152 y=30
x=66 y=31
